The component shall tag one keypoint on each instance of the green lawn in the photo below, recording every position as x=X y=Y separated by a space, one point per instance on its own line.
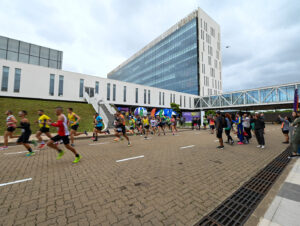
x=84 y=110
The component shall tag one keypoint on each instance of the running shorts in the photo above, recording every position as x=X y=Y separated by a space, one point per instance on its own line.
x=131 y=128
x=285 y=131
x=121 y=129
x=74 y=127
x=99 y=128
x=212 y=127
x=24 y=138
x=65 y=139
x=147 y=126
x=219 y=133
x=11 y=129
x=44 y=130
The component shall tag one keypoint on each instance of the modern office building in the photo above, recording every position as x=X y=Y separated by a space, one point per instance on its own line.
x=186 y=58
x=15 y=50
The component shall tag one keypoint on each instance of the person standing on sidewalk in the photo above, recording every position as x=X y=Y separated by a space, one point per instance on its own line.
x=259 y=126
x=247 y=127
x=220 y=121
x=285 y=127
x=228 y=129
x=296 y=137
x=240 y=130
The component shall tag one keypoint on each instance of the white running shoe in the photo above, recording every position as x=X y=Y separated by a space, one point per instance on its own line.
x=258 y=146
x=262 y=147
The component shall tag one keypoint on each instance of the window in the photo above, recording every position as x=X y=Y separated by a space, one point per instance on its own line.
x=145 y=96
x=180 y=100
x=81 y=88
x=163 y=102
x=114 y=92
x=159 y=98
x=171 y=98
x=184 y=101
x=61 y=85
x=108 y=91
x=124 y=93
x=190 y=102
x=149 y=96
x=17 y=80
x=4 y=84
x=51 y=87
x=97 y=87
x=136 y=95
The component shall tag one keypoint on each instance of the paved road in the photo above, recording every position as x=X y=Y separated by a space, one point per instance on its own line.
x=179 y=180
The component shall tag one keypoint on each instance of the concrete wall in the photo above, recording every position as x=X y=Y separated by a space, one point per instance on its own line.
x=35 y=82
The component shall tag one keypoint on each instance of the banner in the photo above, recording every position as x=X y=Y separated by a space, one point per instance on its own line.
x=190 y=115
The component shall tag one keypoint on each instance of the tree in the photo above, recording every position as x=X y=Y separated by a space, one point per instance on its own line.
x=210 y=112
x=175 y=107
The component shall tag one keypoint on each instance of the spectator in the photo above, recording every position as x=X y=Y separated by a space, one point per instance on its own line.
x=228 y=129
x=259 y=126
x=285 y=127
x=219 y=129
x=247 y=127
x=296 y=136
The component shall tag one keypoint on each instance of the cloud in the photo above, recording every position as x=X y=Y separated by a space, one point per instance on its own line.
x=96 y=36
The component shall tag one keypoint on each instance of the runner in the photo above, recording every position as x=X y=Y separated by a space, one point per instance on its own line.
x=205 y=122
x=146 y=126
x=98 y=121
x=168 y=123
x=26 y=132
x=153 y=123
x=173 y=123
x=120 y=127
x=11 y=123
x=240 y=131
x=73 y=122
x=44 y=128
x=228 y=129
x=63 y=134
x=131 y=125
x=247 y=128
x=139 y=125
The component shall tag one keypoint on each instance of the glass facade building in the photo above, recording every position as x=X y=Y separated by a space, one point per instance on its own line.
x=14 y=50
x=171 y=64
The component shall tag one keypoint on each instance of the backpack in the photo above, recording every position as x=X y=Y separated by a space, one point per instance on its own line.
x=224 y=123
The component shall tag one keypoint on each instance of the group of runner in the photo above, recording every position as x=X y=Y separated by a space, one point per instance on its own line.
x=44 y=121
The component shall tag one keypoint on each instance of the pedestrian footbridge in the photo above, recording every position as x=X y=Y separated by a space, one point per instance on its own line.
x=274 y=97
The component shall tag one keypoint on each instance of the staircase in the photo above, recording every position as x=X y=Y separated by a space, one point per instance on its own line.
x=109 y=115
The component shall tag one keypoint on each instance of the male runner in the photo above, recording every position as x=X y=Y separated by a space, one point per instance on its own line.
x=98 y=127
x=26 y=132
x=146 y=126
x=73 y=122
x=44 y=128
x=63 y=134
x=120 y=127
x=11 y=123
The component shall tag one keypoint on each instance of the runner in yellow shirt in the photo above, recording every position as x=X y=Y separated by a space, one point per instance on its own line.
x=44 y=128
x=146 y=126
x=73 y=122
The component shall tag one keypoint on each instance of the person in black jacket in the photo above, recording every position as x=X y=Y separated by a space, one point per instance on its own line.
x=219 y=129
x=259 y=127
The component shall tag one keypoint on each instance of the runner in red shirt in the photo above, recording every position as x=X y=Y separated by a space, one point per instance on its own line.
x=63 y=134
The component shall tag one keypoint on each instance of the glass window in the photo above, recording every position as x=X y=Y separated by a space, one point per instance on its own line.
x=149 y=96
x=163 y=99
x=44 y=53
x=44 y=62
x=51 y=86
x=124 y=93
x=23 y=58
x=34 y=60
x=53 y=54
x=3 y=43
x=159 y=98
x=13 y=45
x=114 y=92
x=12 y=56
x=108 y=91
x=61 y=85
x=180 y=100
x=81 y=87
x=52 y=63
x=2 y=54
x=174 y=98
x=24 y=48
x=136 y=95
x=183 y=101
x=17 y=82
x=190 y=102
x=97 y=87
x=145 y=96
x=34 y=50
x=171 y=98
x=4 y=83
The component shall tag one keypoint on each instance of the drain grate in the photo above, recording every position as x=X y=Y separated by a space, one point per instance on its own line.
x=236 y=209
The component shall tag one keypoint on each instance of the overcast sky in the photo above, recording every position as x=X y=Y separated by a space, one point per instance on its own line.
x=98 y=35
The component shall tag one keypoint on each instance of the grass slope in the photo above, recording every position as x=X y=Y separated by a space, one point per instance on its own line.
x=84 y=110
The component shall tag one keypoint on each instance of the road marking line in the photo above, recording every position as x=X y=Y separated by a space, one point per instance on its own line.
x=190 y=146
x=15 y=182
x=136 y=157
x=100 y=143
x=19 y=152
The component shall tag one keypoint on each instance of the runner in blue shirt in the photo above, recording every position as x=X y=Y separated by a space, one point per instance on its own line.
x=98 y=121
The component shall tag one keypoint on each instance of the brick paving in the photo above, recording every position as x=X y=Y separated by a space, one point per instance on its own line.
x=169 y=186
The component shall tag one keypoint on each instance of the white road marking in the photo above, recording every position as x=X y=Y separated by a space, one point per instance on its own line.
x=136 y=157
x=100 y=143
x=19 y=152
x=190 y=146
x=15 y=182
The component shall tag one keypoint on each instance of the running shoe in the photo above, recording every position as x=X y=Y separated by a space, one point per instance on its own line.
x=3 y=147
x=262 y=147
x=129 y=144
x=34 y=143
x=240 y=143
x=220 y=147
x=116 y=140
x=60 y=155
x=258 y=146
x=30 y=154
x=107 y=131
x=85 y=132
x=41 y=146
x=77 y=159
